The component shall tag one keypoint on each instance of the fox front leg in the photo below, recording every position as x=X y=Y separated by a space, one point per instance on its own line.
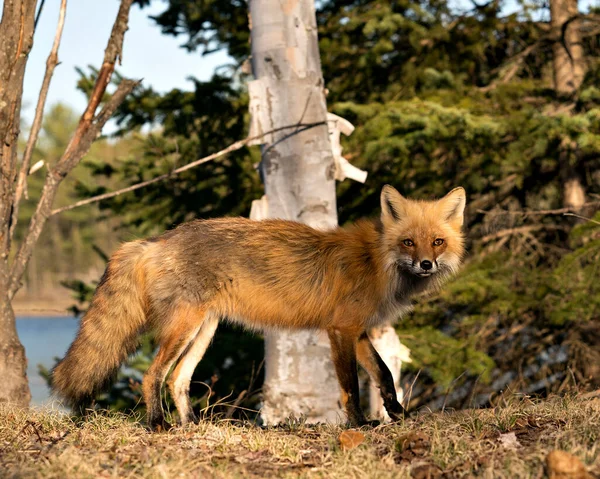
x=369 y=358
x=343 y=352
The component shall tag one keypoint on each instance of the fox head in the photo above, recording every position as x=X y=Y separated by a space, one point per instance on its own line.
x=423 y=238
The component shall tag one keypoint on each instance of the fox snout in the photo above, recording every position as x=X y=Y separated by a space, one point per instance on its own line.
x=427 y=267
x=422 y=267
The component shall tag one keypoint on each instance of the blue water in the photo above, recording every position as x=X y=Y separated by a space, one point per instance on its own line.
x=44 y=339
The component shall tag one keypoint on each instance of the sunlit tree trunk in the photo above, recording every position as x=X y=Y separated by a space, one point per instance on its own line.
x=569 y=70
x=569 y=64
x=298 y=172
x=16 y=34
x=394 y=353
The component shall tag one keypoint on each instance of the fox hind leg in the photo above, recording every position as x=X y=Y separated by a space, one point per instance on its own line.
x=369 y=358
x=179 y=381
x=178 y=333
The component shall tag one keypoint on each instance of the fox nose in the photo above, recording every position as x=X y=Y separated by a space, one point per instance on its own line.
x=426 y=264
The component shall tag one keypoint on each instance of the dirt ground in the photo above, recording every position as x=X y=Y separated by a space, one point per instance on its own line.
x=512 y=441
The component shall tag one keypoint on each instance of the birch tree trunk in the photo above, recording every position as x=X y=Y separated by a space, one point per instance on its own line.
x=298 y=171
x=394 y=353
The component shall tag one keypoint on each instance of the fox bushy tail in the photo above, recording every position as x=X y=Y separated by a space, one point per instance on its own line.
x=108 y=332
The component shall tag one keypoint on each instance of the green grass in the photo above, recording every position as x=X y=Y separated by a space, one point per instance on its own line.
x=451 y=444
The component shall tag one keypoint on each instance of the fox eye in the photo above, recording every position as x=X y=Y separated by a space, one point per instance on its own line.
x=408 y=242
x=438 y=242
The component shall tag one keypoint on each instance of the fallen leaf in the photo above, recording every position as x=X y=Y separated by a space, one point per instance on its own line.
x=414 y=444
x=351 y=439
x=562 y=465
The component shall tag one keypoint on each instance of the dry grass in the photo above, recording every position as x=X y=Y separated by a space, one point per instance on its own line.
x=477 y=443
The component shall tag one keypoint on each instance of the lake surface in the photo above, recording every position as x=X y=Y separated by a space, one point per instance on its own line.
x=44 y=339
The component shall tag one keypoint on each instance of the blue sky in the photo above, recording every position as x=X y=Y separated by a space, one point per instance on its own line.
x=147 y=53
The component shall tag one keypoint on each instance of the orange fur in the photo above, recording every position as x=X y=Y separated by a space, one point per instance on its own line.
x=266 y=274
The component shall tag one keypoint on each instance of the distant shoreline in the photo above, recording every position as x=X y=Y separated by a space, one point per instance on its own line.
x=41 y=308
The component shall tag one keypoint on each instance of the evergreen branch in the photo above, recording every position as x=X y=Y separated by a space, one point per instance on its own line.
x=233 y=147
x=51 y=63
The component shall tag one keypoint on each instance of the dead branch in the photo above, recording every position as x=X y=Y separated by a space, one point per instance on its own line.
x=88 y=129
x=526 y=213
x=519 y=230
x=38 y=15
x=51 y=63
x=112 y=54
x=581 y=217
x=233 y=147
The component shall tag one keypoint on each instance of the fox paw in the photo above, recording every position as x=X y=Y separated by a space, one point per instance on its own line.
x=368 y=423
x=160 y=425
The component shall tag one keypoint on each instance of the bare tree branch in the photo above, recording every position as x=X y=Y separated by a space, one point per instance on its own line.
x=88 y=129
x=525 y=213
x=51 y=63
x=233 y=147
x=581 y=217
x=112 y=54
x=520 y=230
x=38 y=15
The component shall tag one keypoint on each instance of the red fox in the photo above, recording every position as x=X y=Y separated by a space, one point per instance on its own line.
x=263 y=274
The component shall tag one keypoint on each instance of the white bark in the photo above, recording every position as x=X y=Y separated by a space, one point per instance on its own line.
x=394 y=353
x=299 y=176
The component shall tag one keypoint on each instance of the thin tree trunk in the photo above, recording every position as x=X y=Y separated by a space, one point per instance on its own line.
x=569 y=64
x=298 y=172
x=13 y=363
x=16 y=34
x=569 y=71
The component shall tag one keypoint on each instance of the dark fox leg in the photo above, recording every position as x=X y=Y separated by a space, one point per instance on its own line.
x=179 y=381
x=181 y=329
x=369 y=359
x=343 y=352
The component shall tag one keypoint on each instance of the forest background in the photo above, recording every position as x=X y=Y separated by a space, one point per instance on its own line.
x=440 y=96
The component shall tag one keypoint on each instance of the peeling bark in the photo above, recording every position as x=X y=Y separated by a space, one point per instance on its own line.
x=394 y=353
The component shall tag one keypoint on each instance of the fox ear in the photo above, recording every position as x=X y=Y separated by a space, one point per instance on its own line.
x=392 y=205
x=453 y=205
